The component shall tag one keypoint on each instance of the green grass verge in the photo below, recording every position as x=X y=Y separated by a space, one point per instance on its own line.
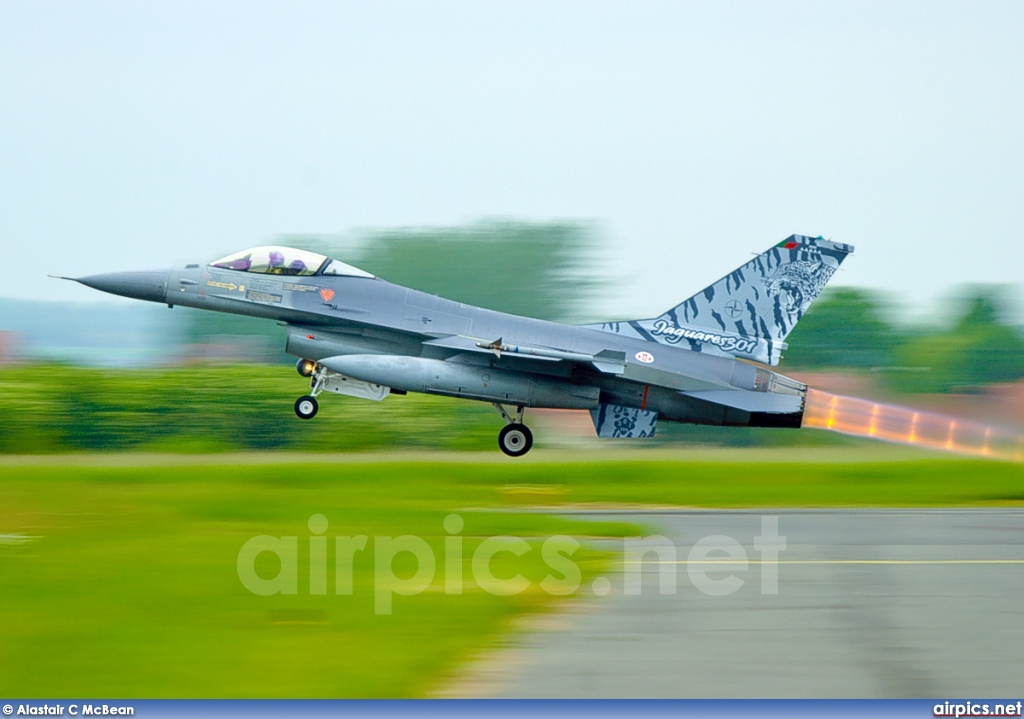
x=130 y=588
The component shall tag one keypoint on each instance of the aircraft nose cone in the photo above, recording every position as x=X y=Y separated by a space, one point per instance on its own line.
x=150 y=286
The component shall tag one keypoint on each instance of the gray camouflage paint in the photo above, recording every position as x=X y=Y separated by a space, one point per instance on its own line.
x=749 y=312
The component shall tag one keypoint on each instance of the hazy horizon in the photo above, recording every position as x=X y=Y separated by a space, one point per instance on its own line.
x=690 y=134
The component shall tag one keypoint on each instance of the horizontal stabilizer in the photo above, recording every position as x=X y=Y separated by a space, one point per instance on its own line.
x=617 y=422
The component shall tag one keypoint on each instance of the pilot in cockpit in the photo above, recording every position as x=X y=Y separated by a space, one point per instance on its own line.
x=277 y=266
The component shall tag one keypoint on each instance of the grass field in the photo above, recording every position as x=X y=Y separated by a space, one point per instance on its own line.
x=121 y=580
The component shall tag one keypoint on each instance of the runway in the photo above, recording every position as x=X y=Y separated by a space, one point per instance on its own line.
x=870 y=603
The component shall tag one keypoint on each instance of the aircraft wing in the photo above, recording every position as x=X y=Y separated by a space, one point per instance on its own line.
x=607 y=361
x=752 y=389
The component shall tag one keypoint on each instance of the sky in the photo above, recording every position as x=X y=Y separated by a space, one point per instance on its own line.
x=143 y=135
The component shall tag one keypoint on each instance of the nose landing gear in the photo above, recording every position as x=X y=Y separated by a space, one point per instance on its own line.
x=306 y=407
x=515 y=439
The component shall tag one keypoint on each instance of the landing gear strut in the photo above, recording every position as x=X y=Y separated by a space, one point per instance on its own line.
x=515 y=439
x=307 y=407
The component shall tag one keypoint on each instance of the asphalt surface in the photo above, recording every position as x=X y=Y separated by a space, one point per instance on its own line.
x=896 y=603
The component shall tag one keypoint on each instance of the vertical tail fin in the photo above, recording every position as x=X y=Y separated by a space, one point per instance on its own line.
x=749 y=312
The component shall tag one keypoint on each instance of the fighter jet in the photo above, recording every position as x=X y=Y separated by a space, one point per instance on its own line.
x=704 y=361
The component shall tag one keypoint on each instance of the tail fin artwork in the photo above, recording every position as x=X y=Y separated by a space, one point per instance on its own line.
x=749 y=312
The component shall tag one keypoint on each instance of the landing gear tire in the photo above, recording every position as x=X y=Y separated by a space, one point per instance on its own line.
x=515 y=440
x=306 y=407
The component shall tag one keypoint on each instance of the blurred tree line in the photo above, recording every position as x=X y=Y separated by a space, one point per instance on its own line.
x=542 y=270
x=48 y=409
x=848 y=329
x=54 y=409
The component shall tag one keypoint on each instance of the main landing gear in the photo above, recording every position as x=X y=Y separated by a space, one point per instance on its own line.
x=307 y=407
x=515 y=439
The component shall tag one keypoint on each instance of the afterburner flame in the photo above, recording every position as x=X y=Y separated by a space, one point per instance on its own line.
x=890 y=423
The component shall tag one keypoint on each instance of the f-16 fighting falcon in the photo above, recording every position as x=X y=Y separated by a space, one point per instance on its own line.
x=702 y=361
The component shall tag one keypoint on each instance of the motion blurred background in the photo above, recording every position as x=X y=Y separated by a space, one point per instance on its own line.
x=101 y=376
x=573 y=161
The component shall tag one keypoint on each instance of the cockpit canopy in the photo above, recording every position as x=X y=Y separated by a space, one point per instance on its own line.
x=272 y=260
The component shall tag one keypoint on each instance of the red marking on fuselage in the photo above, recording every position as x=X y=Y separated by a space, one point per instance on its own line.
x=327 y=295
x=643 y=404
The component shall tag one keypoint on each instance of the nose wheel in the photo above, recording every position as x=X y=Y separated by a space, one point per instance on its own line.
x=306 y=407
x=515 y=438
